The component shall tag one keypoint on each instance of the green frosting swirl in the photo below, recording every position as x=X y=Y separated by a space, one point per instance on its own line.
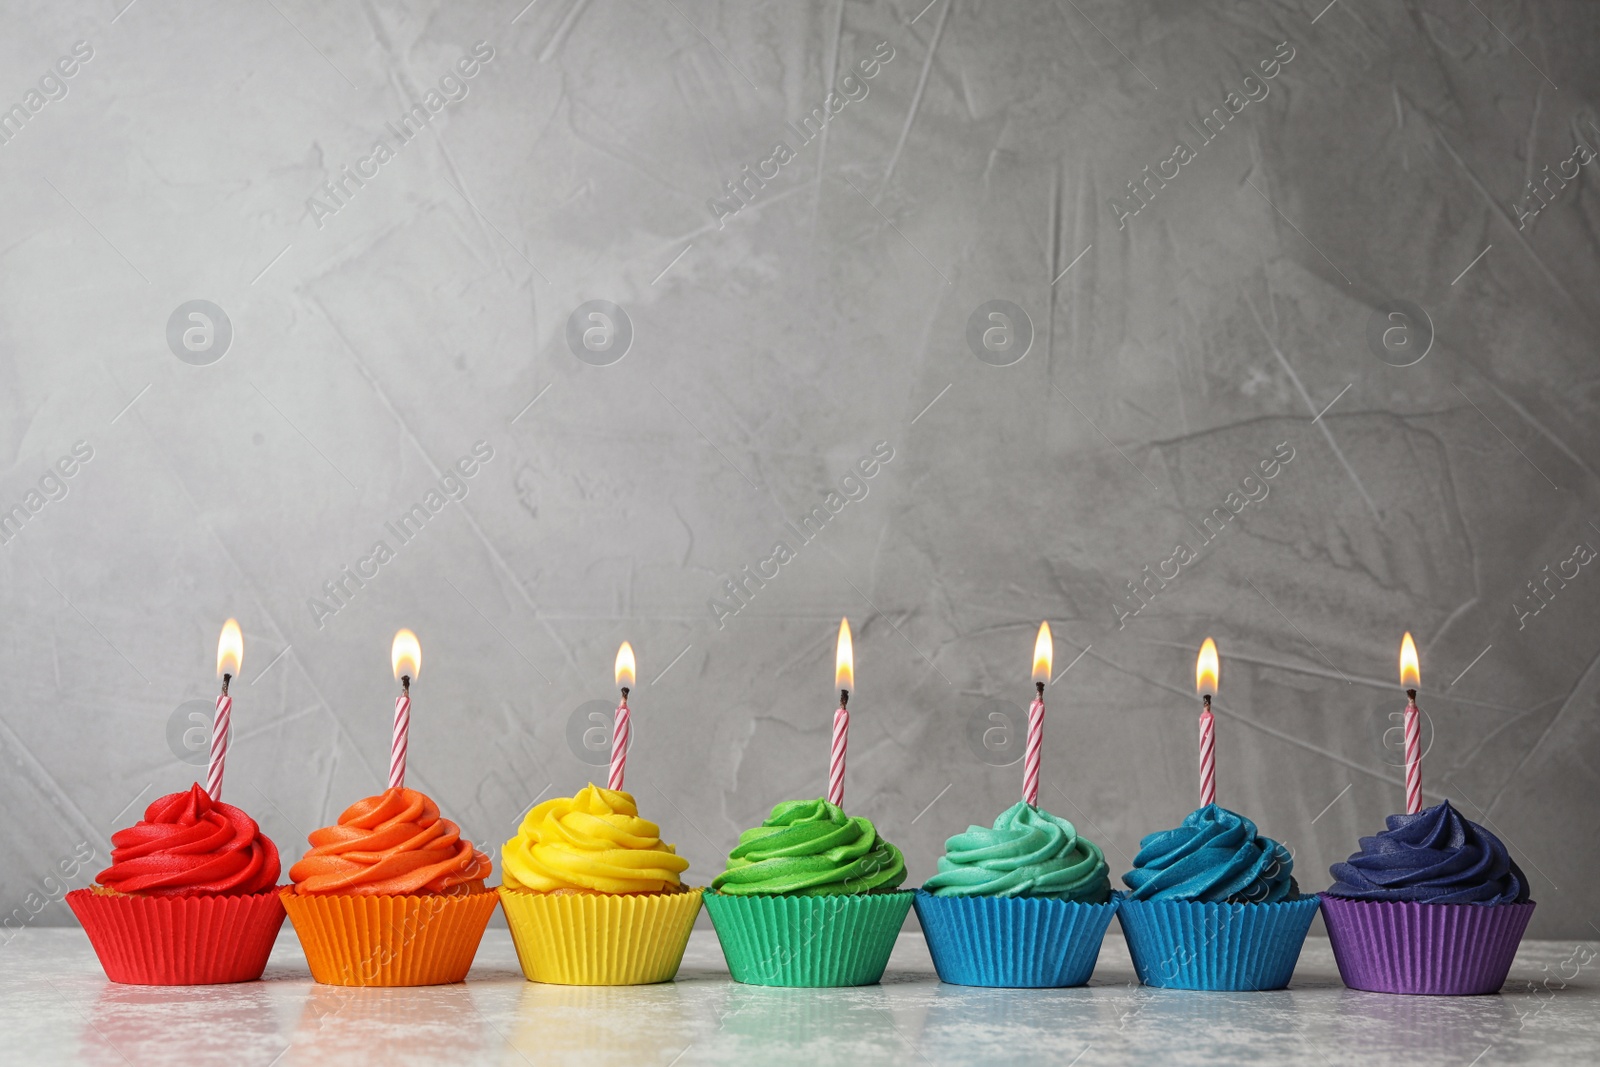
x=811 y=848
x=1029 y=852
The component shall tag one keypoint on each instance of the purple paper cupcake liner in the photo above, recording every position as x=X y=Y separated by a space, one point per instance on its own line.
x=1386 y=946
x=1188 y=944
x=1013 y=942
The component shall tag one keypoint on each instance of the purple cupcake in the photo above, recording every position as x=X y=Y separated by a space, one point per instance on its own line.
x=1434 y=904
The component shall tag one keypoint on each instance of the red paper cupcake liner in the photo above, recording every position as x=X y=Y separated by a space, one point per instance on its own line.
x=1386 y=946
x=184 y=940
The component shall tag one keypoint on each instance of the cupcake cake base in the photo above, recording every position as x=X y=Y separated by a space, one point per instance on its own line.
x=1186 y=944
x=420 y=939
x=813 y=941
x=1429 y=949
x=1013 y=942
x=580 y=938
x=203 y=939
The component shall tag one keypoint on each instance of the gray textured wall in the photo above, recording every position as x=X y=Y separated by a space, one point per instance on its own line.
x=377 y=336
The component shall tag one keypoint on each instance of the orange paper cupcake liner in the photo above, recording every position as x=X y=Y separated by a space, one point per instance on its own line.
x=205 y=939
x=600 y=938
x=425 y=939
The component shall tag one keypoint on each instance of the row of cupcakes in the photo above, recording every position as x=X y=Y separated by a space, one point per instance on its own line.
x=393 y=895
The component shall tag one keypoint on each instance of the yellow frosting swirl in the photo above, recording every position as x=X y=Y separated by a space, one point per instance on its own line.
x=594 y=841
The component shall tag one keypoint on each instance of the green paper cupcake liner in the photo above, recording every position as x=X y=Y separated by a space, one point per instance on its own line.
x=812 y=941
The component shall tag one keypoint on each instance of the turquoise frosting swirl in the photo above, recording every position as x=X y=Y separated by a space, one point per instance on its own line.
x=1028 y=852
x=1216 y=856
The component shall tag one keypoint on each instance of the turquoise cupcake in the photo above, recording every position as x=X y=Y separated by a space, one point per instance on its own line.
x=1024 y=904
x=1213 y=904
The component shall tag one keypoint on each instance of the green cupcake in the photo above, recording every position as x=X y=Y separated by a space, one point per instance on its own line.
x=809 y=899
x=811 y=848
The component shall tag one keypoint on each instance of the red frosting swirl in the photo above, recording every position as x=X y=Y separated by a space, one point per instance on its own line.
x=189 y=843
x=390 y=844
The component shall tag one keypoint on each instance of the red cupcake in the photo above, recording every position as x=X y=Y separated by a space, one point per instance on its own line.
x=189 y=899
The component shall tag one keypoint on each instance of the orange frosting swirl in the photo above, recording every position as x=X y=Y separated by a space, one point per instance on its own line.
x=390 y=844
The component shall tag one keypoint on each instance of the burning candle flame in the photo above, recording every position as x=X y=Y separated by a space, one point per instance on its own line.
x=1043 y=650
x=625 y=668
x=844 y=672
x=230 y=648
x=406 y=655
x=1410 y=671
x=1207 y=670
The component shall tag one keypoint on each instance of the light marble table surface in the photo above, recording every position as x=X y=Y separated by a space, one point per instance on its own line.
x=57 y=1007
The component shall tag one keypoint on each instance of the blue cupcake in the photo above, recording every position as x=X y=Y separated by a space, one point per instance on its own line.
x=1025 y=903
x=1213 y=904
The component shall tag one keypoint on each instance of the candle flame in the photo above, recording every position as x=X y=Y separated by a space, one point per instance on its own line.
x=1410 y=671
x=406 y=655
x=230 y=648
x=1207 y=669
x=625 y=667
x=1043 y=650
x=844 y=671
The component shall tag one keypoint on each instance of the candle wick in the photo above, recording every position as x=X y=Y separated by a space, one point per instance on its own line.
x=844 y=698
x=225 y=679
x=1411 y=695
x=1040 y=687
x=405 y=682
x=1206 y=700
x=624 y=694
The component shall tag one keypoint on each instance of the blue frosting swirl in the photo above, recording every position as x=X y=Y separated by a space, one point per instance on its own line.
x=1216 y=856
x=1437 y=856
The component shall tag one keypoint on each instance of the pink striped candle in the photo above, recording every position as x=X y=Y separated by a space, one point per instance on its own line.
x=1413 y=756
x=1411 y=681
x=844 y=676
x=1208 y=756
x=622 y=726
x=1207 y=671
x=1043 y=653
x=621 y=730
x=230 y=654
x=402 y=733
x=405 y=654
x=221 y=725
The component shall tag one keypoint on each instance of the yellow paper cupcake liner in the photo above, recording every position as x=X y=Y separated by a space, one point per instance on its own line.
x=600 y=938
x=427 y=939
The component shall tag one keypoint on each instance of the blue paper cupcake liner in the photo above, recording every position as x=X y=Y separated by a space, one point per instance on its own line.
x=1187 y=944
x=1013 y=942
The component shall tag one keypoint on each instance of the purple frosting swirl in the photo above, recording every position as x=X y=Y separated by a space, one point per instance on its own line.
x=1436 y=856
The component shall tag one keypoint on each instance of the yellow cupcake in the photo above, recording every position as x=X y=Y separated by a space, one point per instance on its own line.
x=595 y=841
x=593 y=895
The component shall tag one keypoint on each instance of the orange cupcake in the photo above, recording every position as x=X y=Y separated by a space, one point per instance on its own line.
x=390 y=896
